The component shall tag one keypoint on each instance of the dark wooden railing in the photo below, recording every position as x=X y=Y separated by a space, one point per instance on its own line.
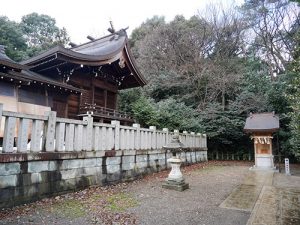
x=105 y=113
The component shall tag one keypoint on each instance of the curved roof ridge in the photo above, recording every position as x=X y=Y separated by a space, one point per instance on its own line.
x=6 y=61
x=101 y=51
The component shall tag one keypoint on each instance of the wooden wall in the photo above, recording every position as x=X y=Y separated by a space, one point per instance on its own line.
x=95 y=91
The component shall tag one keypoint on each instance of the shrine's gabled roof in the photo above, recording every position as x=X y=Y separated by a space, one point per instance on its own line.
x=98 y=52
x=262 y=122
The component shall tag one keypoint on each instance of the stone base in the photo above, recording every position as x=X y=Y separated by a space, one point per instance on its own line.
x=263 y=160
x=256 y=168
x=177 y=186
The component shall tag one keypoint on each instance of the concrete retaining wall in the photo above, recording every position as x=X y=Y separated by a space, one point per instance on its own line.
x=31 y=176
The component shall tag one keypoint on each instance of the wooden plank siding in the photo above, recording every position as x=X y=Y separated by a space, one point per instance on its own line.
x=73 y=106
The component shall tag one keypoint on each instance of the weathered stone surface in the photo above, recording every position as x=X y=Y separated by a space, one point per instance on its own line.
x=36 y=167
x=112 y=168
x=128 y=166
x=52 y=166
x=36 y=178
x=193 y=157
x=9 y=168
x=128 y=159
x=99 y=161
x=89 y=162
x=175 y=186
x=92 y=171
x=6 y=194
x=141 y=158
x=113 y=160
x=68 y=174
x=8 y=181
x=162 y=162
x=141 y=164
x=188 y=157
x=198 y=156
x=113 y=178
x=60 y=172
x=153 y=160
x=153 y=157
x=129 y=152
x=161 y=156
x=72 y=164
x=30 y=190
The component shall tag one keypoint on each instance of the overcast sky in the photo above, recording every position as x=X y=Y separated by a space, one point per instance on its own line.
x=91 y=17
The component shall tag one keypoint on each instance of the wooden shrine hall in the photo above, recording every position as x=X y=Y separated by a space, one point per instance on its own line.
x=82 y=79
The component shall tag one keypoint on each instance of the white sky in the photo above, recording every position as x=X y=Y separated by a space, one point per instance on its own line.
x=91 y=17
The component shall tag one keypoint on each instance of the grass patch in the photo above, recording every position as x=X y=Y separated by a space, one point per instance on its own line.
x=120 y=202
x=69 y=208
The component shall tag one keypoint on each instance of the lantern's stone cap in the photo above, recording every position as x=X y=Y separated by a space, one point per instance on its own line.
x=175 y=143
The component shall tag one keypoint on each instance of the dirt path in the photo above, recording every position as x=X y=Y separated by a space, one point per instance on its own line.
x=144 y=201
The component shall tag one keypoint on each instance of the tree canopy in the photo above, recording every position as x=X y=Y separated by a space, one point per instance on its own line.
x=207 y=73
x=34 y=34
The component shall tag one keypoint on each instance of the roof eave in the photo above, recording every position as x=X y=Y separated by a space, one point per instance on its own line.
x=12 y=64
x=272 y=130
x=23 y=77
x=136 y=72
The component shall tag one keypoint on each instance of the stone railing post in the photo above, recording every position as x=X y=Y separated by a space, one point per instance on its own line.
x=50 y=132
x=23 y=135
x=166 y=141
x=59 y=136
x=89 y=132
x=198 y=143
x=117 y=134
x=205 y=141
x=9 y=134
x=184 y=137
x=137 y=137
x=153 y=137
x=193 y=139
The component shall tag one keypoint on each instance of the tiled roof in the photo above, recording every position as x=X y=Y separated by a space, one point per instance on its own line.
x=262 y=122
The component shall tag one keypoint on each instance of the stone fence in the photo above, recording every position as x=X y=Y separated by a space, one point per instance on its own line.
x=45 y=155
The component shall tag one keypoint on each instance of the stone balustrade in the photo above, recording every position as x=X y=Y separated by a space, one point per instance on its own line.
x=32 y=133
x=45 y=155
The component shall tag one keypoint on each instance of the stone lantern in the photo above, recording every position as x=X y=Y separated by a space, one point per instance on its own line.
x=175 y=180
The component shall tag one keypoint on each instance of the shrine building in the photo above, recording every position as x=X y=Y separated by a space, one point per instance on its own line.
x=262 y=126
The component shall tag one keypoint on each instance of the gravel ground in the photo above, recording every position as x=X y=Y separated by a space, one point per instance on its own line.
x=209 y=187
x=144 y=201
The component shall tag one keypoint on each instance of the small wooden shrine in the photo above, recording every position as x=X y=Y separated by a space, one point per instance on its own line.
x=262 y=126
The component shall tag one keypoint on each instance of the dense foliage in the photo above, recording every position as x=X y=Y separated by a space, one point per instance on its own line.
x=207 y=73
x=34 y=34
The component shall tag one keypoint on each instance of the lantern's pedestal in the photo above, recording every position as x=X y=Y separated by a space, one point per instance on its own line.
x=175 y=180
